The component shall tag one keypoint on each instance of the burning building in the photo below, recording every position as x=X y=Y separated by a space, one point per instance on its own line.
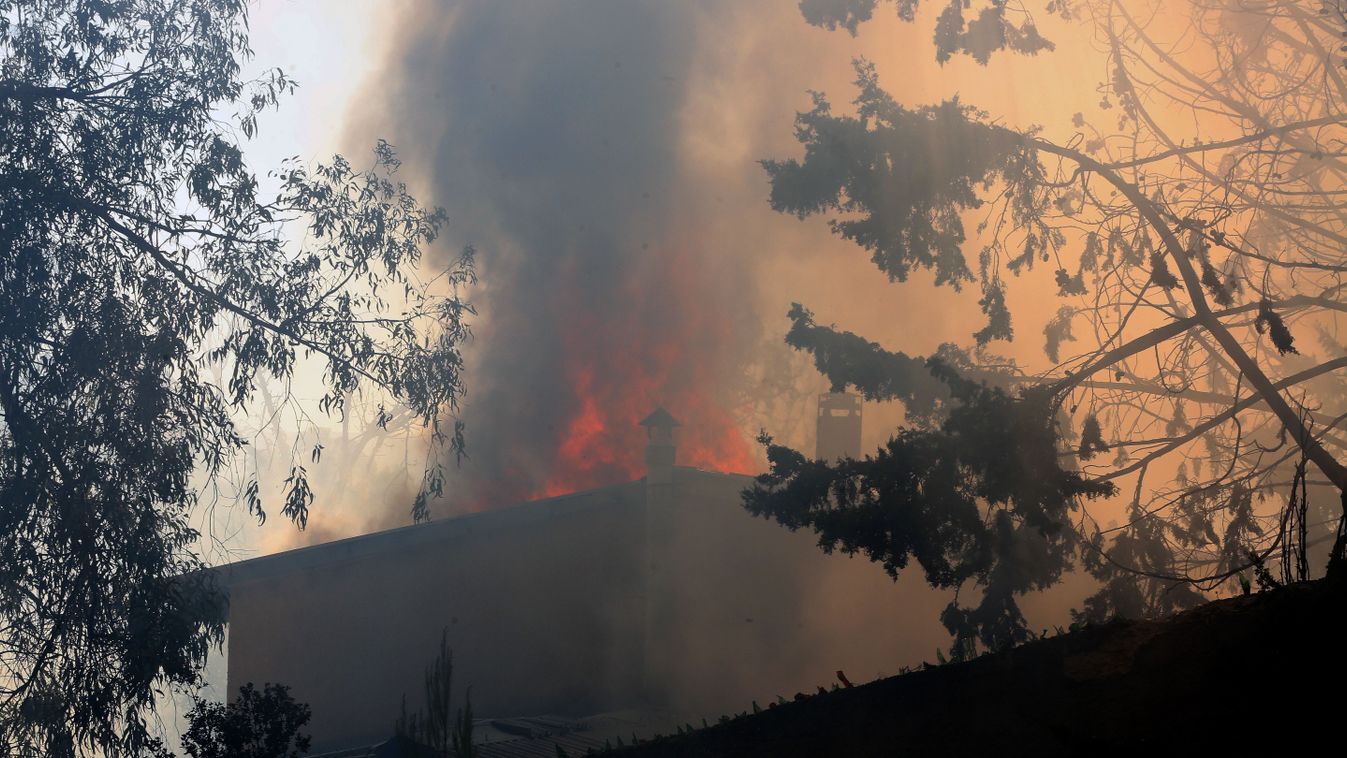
x=662 y=592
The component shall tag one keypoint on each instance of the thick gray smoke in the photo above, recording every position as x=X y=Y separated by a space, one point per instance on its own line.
x=602 y=157
x=554 y=129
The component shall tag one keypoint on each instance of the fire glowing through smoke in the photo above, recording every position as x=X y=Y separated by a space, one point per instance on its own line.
x=617 y=369
x=558 y=144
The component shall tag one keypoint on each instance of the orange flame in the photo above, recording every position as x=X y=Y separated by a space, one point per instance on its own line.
x=619 y=368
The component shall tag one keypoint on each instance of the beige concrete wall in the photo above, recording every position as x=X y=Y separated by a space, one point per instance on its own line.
x=574 y=605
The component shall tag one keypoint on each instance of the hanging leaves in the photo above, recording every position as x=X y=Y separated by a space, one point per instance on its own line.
x=1160 y=273
x=1070 y=285
x=137 y=245
x=1215 y=287
x=925 y=495
x=1178 y=423
x=1026 y=258
x=1091 y=439
x=1197 y=244
x=993 y=304
x=1132 y=251
x=1057 y=331
x=1089 y=260
x=1120 y=250
x=1270 y=322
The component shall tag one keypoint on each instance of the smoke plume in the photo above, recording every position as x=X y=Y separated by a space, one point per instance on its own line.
x=601 y=155
x=554 y=134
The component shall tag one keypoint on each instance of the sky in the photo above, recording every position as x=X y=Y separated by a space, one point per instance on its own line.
x=326 y=47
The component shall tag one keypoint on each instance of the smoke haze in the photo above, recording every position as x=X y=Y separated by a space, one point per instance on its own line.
x=601 y=157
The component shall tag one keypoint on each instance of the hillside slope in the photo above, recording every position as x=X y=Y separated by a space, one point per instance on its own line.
x=1232 y=677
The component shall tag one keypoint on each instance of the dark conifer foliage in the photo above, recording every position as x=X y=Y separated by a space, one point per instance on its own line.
x=980 y=497
x=851 y=361
x=907 y=172
x=139 y=258
x=960 y=28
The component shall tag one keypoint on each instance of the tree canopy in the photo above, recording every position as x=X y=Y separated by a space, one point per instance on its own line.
x=255 y=724
x=1192 y=229
x=141 y=257
x=996 y=25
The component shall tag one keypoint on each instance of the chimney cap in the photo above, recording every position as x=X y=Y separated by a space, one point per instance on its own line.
x=660 y=419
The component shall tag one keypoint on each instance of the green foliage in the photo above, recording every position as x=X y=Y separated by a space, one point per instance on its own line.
x=256 y=724
x=134 y=241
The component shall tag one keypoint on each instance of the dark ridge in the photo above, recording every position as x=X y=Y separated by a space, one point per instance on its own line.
x=1259 y=672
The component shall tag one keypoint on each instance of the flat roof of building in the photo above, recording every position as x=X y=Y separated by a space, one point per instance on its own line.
x=439 y=530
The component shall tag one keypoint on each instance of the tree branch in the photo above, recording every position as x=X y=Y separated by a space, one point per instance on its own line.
x=1205 y=317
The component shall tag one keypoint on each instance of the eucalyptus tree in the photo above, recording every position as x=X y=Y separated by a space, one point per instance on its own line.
x=139 y=257
x=1193 y=228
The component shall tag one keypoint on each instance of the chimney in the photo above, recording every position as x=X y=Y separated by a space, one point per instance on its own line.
x=839 y=426
x=659 y=448
x=663 y=522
